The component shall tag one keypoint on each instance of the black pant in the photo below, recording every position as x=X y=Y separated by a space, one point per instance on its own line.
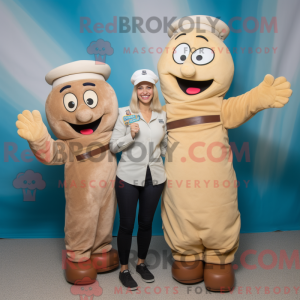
x=127 y=198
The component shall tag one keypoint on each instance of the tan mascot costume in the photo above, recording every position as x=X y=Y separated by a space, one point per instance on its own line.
x=81 y=110
x=201 y=221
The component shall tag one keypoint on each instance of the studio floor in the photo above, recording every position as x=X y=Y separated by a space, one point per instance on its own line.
x=265 y=269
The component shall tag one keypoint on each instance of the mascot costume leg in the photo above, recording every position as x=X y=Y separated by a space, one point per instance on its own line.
x=81 y=110
x=201 y=220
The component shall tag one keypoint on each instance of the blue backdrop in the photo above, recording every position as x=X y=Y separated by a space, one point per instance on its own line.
x=37 y=36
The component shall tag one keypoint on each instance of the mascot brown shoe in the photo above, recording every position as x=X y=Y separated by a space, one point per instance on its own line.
x=188 y=272
x=218 y=278
x=80 y=272
x=104 y=262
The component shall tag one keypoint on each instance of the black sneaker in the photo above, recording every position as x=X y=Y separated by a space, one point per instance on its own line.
x=127 y=280
x=146 y=275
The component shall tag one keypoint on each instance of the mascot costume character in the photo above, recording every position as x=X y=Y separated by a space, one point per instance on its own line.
x=201 y=220
x=81 y=110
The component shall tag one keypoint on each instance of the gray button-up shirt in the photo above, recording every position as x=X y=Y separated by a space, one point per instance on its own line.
x=149 y=144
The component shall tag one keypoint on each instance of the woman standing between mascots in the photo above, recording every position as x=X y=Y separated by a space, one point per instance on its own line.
x=140 y=133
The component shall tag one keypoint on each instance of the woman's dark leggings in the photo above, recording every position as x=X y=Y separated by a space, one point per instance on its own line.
x=127 y=198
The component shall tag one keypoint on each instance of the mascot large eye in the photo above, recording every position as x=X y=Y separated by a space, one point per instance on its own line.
x=70 y=102
x=90 y=98
x=181 y=53
x=203 y=56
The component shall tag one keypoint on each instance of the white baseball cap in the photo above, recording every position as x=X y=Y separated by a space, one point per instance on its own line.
x=143 y=75
x=81 y=69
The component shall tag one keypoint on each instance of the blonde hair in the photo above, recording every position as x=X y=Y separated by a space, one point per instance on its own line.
x=155 y=103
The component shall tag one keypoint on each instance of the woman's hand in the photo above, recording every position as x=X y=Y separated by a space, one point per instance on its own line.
x=134 y=129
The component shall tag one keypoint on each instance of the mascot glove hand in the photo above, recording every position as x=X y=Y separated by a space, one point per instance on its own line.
x=31 y=126
x=274 y=93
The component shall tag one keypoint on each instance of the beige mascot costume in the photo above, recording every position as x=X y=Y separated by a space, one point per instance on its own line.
x=201 y=221
x=81 y=110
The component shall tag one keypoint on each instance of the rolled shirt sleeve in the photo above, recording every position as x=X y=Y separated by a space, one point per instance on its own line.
x=119 y=139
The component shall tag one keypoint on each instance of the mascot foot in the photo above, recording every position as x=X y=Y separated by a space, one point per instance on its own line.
x=80 y=273
x=188 y=271
x=107 y=261
x=218 y=278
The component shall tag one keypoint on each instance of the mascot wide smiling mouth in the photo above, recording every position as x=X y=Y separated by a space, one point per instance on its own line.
x=202 y=223
x=81 y=110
